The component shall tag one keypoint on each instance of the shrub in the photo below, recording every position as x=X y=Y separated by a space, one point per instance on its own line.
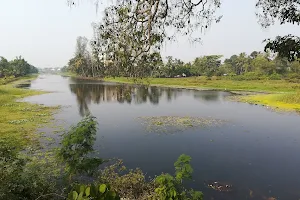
x=293 y=78
x=275 y=76
x=133 y=184
x=130 y=184
x=171 y=187
x=25 y=177
x=77 y=144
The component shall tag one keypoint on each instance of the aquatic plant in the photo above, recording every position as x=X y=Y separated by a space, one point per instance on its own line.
x=171 y=124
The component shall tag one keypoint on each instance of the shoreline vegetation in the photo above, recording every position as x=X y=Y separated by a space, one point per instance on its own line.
x=20 y=120
x=277 y=94
x=272 y=78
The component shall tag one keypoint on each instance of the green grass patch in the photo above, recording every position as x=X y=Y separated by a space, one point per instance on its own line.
x=204 y=83
x=16 y=80
x=20 y=120
x=286 y=101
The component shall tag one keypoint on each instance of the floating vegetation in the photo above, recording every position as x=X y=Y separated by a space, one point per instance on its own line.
x=171 y=124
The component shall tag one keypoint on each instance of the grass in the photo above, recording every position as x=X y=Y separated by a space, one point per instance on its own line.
x=19 y=121
x=286 y=101
x=283 y=95
x=10 y=79
x=203 y=83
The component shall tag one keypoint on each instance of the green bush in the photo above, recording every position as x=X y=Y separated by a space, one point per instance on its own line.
x=77 y=144
x=25 y=177
x=171 y=187
x=130 y=184
x=293 y=78
x=275 y=76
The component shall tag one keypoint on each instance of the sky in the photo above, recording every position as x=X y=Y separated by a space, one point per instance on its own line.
x=44 y=32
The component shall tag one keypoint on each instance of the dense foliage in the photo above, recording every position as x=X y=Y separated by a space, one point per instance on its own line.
x=256 y=66
x=17 y=67
x=131 y=31
x=25 y=176
x=285 y=11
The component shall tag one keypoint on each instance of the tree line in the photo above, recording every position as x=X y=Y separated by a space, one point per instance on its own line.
x=128 y=39
x=242 y=66
x=16 y=67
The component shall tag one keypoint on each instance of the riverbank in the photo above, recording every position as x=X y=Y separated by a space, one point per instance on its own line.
x=278 y=94
x=19 y=121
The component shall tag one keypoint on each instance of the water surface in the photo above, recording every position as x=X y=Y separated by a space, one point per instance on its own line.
x=256 y=150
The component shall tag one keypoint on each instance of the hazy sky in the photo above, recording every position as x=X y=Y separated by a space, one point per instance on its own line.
x=44 y=31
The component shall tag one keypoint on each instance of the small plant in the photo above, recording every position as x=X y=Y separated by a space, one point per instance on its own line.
x=77 y=144
x=170 y=187
x=95 y=191
x=129 y=184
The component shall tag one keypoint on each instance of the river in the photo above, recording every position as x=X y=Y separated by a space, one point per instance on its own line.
x=256 y=150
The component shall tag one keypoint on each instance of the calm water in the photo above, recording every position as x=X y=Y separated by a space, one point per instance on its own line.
x=257 y=149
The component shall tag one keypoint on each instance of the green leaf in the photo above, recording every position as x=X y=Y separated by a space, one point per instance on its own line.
x=102 y=188
x=112 y=194
x=75 y=195
x=80 y=196
x=87 y=191
x=82 y=187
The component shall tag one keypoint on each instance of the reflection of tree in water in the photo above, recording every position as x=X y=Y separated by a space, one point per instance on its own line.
x=83 y=96
x=172 y=93
x=96 y=93
x=207 y=95
x=87 y=93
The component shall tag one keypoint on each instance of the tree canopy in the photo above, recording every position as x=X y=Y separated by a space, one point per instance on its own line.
x=285 y=11
x=131 y=33
x=17 y=67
